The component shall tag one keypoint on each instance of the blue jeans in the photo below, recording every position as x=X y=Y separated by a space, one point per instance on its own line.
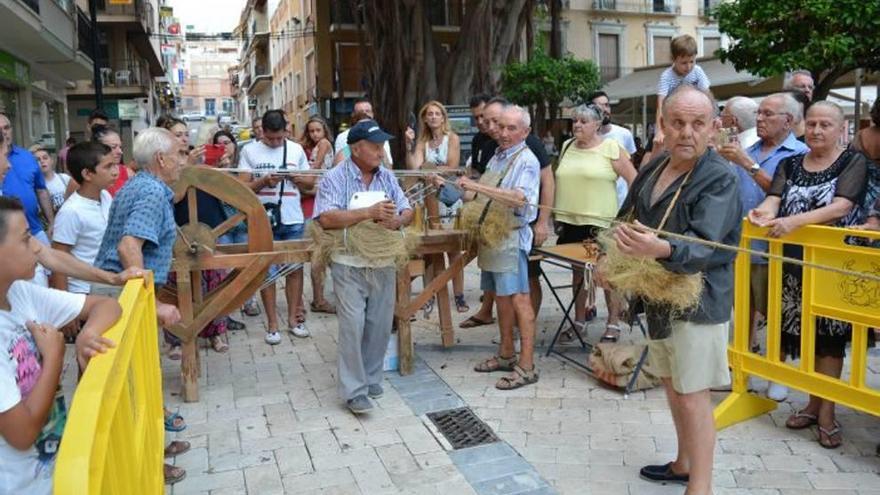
x=233 y=237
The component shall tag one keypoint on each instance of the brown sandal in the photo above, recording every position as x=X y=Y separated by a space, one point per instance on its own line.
x=519 y=378
x=801 y=420
x=496 y=363
x=323 y=307
x=176 y=448
x=173 y=474
x=830 y=438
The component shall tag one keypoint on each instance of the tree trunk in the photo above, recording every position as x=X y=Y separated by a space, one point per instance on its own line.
x=555 y=31
x=826 y=80
x=401 y=57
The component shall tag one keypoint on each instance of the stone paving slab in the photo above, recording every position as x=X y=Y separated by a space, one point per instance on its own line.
x=269 y=421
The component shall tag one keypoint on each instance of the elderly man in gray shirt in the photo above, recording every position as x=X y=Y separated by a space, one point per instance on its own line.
x=699 y=193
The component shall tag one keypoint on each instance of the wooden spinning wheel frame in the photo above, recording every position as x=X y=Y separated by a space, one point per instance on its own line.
x=196 y=249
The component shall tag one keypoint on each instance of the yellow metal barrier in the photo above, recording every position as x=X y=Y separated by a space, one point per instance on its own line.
x=826 y=293
x=113 y=440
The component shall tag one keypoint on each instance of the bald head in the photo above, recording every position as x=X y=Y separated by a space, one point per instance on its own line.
x=688 y=121
x=689 y=95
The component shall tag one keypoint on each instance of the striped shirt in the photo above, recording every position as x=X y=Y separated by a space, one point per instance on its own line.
x=339 y=184
x=669 y=80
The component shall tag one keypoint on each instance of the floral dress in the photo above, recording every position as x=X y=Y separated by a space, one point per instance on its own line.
x=803 y=191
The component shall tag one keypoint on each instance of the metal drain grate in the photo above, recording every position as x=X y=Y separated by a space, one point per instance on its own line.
x=462 y=428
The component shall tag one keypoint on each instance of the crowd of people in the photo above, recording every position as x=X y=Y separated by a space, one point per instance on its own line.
x=72 y=232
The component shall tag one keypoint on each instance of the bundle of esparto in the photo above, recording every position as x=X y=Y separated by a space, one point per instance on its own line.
x=647 y=278
x=368 y=239
x=496 y=225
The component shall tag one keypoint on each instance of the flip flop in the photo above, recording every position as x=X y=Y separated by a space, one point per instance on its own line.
x=169 y=423
x=473 y=322
x=827 y=436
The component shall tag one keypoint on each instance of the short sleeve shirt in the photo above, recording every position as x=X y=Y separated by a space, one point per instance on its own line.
x=80 y=224
x=586 y=184
x=669 y=80
x=30 y=470
x=264 y=160
x=141 y=209
x=523 y=173
x=22 y=181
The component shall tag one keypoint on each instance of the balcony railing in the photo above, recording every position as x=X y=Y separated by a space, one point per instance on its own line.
x=84 y=33
x=661 y=7
x=120 y=74
x=142 y=10
x=707 y=7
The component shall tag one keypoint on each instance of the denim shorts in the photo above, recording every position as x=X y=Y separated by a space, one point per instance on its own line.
x=508 y=283
x=286 y=233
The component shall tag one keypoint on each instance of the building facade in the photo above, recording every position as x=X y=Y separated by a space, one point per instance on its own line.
x=623 y=35
x=130 y=60
x=42 y=50
x=254 y=83
x=205 y=88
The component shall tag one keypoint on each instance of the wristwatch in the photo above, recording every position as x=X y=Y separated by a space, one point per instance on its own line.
x=754 y=169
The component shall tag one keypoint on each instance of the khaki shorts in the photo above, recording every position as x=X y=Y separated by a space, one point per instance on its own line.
x=105 y=290
x=694 y=356
x=758 y=282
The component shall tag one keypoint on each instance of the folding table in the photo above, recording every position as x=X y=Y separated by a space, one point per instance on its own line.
x=574 y=256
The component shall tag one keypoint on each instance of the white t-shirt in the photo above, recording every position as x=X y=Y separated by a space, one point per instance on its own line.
x=30 y=471
x=342 y=141
x=261 y=158
x=626 y=141
x=57 y=187
x=81 y=223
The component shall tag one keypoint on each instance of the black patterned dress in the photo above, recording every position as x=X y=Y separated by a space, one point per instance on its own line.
x=803 y=191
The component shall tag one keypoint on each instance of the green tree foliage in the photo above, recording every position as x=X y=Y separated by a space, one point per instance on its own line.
x=546 y=82
x=827 y=37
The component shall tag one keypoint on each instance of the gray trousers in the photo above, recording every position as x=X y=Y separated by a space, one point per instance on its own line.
x=365 y=310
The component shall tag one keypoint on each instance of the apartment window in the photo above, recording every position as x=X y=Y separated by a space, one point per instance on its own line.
x=659 y=38
x=298 y=87
x=350 y=68
x=445 y=12
x=188 y=102
x=609 y=56
x=609 y=47
x=662 y=50
x=711 y=45
x=210 y=106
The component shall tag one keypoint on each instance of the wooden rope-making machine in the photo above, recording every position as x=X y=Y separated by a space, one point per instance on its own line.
x=196 y=249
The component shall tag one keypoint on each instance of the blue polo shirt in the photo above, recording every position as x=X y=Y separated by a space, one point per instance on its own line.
x=142 y=209
x=750 y=192
x=22 y=181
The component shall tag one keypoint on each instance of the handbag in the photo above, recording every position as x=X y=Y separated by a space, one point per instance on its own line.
x=273 y=210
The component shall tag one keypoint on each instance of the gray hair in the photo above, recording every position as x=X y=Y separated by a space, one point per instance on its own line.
x=788 y=80
x=589 y=112
x=745 y=110
x=791 y=106
x=150 y=142
x=524 y=116
x=682 y=90
x=834 y=107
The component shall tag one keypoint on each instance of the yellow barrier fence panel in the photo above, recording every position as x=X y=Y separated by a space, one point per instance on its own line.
x=113 y=440
x=842 y=295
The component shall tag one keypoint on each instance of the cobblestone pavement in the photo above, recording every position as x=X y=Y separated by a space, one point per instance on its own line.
x=269 y=421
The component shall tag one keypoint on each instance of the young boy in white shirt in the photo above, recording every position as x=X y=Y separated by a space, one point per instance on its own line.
x=82 y=219
x=32 y=417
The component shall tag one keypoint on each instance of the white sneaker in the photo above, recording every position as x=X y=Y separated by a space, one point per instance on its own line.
x=300 y=330
x=777 y=392
x=273 y=338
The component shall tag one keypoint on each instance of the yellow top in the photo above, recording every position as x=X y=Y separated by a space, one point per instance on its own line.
x=585 y=183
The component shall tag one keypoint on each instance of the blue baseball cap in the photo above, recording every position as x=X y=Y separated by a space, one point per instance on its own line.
x=369 y=130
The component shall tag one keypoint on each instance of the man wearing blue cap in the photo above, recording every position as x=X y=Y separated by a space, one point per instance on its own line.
x=359 y=189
